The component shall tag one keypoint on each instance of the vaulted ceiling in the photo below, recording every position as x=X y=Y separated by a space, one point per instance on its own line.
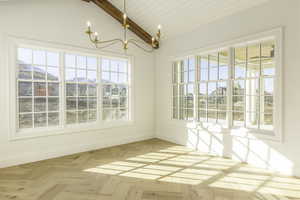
x=181 y=16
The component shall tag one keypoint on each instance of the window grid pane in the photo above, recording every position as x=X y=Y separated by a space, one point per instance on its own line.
x=115 y=87
x=253 y=86
x=38 y=88
x=184 y=76
x=80 y=89
x=212 y=87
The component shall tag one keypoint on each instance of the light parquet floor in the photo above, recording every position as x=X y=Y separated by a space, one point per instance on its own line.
x=147 y=170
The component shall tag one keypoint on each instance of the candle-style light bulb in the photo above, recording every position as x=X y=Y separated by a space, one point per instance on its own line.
x=125 y=20
x=96 y=35
x=88 y=23
x=153 y=42
x=158 y=32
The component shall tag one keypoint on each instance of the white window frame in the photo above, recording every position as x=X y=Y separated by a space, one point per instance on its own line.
x=13 y=43
x=185 y=85
x=65 y=82
x=46 y=81
x=198 y=81
x=274 y=135
x=128 y=84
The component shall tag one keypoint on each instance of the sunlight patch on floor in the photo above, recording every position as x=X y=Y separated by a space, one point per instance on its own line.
x=282 y=186
x=172 y=179
x=233 y=186
x=129 y=164
x=280 y=192
x=181 y=165
x=141 y=159
x=161 y=167
x=251 y=169
x=152 y=171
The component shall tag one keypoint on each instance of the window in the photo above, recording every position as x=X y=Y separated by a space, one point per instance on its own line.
x=212 y=87
x=234 y=86
x=253 y=87
x=115 y=89
x=81 y=88
x=59 y=89
x=38 y=88
x=184 y=74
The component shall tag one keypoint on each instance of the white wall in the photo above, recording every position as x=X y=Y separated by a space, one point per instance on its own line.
x=282 y=157
x=64 y=22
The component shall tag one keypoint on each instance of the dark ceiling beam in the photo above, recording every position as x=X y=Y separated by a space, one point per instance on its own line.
x=118 y=15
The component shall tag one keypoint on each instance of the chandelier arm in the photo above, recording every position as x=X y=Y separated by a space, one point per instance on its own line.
x=136 y=43
x=135 y=40
x=108 y=41
x=108 y=45
x=93 y=40
x=140 y=42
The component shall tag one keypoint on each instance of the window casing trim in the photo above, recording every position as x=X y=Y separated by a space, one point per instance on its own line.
x=274 y=135
x=13 y=43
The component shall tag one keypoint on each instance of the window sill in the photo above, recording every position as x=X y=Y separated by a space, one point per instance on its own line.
x=270 y=135
x=222 y=128
x=68 y=129
x=253 y=134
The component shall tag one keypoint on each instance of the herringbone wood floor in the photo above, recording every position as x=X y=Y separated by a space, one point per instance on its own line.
x=147 y=170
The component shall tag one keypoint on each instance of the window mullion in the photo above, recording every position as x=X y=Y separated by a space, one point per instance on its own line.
x=87 y=89
x=47 y=90
x=32 y=89
x=99 y=90
x=217 y=87
x=178 y=69
x=196 y=89
x=77 y=91
x=260 y=97
x=62 y=94
x=207 y=83
x=245 y=89
x=230 y=88
x=175 y=85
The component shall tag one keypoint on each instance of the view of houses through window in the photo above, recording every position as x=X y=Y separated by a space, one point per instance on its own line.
x=57 y=88
x=81 y=88
x=115 y=89
x=183 y=89
x=236 y=90
x=212 y=87
x=38 y=88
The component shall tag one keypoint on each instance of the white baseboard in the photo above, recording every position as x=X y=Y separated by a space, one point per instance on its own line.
x=34 y=157
x=169 y=139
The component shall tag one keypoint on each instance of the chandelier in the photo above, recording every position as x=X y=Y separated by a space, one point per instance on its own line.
x=101 y=44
